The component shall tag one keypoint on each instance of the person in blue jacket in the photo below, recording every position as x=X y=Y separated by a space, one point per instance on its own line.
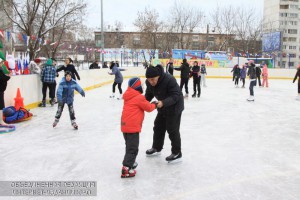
x=65 y=95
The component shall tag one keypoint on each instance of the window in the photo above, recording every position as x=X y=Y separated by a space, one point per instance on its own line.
x=292 y=55
x=294 y=6
x=293 y=23
x=195 y=45
x=284 y=6
x=211 y=43
x=292 y=31
x=136 y=39
x=292 y=47
x=195 y=37
x=292 y=39
x=293 y=15
x=283 y=14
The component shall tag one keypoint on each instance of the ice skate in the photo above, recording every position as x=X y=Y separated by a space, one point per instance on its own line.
x=74 y=125
x=112 y=95
x=198 y=95
x=120 y=97
x=127 y=172
x=174 y=158
x=186 y=95
x=55 y=122
x=42 y=104
x=152 y=152
x=251 y=98
x=194 y=95
x=52 y=102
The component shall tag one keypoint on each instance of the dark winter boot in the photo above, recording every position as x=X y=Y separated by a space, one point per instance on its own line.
x=198 y=95
x=152 y=152
x=194 y=95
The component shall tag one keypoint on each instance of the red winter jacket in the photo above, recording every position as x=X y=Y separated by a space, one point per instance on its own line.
x=133 y=111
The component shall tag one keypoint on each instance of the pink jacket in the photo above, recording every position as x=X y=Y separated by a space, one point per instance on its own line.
x=265 y=70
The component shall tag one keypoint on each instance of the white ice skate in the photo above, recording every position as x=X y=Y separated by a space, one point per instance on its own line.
x=251 y=98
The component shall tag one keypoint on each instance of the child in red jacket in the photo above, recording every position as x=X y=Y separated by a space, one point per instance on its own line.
x=131 y=123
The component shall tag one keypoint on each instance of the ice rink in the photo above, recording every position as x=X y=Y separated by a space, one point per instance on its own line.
x=232 y=149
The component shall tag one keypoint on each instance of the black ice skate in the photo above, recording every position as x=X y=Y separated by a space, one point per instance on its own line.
x=198 y=95
x=152 y=152
x=52 y=102
x=194 y=95
x=43 y=104
x=174 y=158
x=74 y=125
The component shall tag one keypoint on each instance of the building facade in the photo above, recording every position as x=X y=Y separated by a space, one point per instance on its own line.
x=284 y=16
x=162 y=41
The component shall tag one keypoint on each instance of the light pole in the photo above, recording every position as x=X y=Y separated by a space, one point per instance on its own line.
x=102 y=33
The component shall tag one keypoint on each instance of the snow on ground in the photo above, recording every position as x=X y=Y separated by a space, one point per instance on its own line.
x=232 y=149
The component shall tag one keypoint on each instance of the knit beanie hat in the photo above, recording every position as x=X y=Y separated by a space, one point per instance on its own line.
x=152 y=72
x=136 y=84
x=68 y=73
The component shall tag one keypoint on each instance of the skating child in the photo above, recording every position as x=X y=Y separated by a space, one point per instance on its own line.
x=115 y=70
x=265 y=76
x=196 y=79
x=298 y=76
x=65 y=95
x=131 y=123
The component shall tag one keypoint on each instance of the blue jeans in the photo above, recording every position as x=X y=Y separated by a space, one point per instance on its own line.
x=252 y=84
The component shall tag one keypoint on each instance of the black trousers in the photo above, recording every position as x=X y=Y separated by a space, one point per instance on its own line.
x=184 y=82
x=252 y=84
x=2 y=105
x=119 y=87
x=236 y=82
x=170 y=123
x=61 y=108
x=259 y=82
x=299 y=87
x=50 y=86
x=243 y=80
x=196 y=85
x=132 y=148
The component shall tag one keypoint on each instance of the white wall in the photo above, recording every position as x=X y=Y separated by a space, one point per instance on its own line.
x=31 y=87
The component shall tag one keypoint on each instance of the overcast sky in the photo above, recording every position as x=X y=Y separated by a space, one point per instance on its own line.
x=126 y=10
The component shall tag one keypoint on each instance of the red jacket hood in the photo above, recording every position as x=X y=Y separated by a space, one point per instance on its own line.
x=130 y=93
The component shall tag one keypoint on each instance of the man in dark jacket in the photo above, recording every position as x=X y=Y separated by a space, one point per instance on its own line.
x=94 y=65
x=170 y=105
x=258 y=74
x=252 y=76
x=170 y=67
x=184 y=76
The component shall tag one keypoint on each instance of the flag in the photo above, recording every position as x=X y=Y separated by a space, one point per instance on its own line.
x=2 y=33
x=13 y=36
x=26 y=63
x=8 y=35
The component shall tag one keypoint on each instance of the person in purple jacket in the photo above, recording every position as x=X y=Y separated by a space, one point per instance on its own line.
x=243 y=75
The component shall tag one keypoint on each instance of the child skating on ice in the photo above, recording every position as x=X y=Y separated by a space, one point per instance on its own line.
x=131 y=123
x=65 y=95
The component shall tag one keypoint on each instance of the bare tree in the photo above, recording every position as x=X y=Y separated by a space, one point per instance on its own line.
x=185 y=19
x=38 y=17
x=248 y=30
x=148 y=22
x=224 y=21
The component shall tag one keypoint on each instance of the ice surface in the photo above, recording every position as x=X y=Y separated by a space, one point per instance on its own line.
x=232 y=149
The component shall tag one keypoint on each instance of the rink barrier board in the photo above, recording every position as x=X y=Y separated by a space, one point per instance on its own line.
x=92 y=79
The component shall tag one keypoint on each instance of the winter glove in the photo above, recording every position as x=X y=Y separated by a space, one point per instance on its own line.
x=154 y=102
x=83 y=94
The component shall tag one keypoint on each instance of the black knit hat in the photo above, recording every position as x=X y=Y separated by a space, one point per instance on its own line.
x=152 y=72
x=68 y=73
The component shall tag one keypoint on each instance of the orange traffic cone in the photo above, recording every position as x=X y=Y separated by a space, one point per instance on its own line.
x=19 y=100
